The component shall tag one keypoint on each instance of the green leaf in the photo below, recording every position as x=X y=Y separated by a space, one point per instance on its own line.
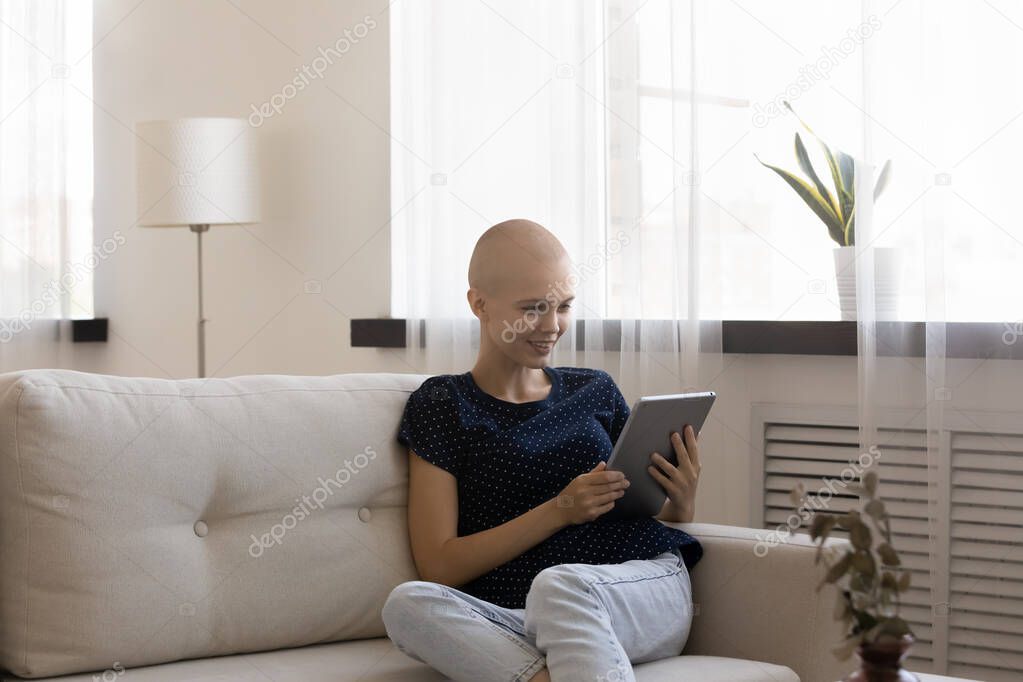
x=836 y=173
x=882 y=179
x=812 y=197
x=847 y=520
x=862 y=583
x=863 y=562
x=837 y=570
x=859 y=535
x=876 y=509
x=807 y=166
x=821 y=525
x=846 y=195
x=888 y=555
x=836 y=177
x=849 y=231
x=847 y=171
x=848 y=201
x=864 y=621
x=801 y=121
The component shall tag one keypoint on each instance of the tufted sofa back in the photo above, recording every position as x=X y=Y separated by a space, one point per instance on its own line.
x=148 y=520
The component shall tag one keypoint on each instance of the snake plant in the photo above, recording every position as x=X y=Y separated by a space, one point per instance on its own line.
x=835 y=206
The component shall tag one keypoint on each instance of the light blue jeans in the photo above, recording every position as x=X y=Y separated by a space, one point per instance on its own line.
x=585 y=622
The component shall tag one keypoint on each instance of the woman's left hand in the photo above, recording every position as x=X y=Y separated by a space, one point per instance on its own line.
x=679 y=482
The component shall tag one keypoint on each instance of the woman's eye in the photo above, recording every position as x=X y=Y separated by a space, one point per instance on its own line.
x=565 y=306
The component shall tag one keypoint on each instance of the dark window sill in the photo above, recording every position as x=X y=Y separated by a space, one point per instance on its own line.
x=91 y=329
x=83 y=329
x=963 y=339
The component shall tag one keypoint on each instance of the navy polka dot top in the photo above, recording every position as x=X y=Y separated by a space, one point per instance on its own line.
x=510 y=457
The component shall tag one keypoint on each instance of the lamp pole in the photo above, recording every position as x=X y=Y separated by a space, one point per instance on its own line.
x=199 y=229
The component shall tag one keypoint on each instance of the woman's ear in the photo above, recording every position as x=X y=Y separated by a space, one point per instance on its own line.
x=477 y=303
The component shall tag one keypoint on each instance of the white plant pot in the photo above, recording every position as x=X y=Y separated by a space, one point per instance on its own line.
x=887 y=262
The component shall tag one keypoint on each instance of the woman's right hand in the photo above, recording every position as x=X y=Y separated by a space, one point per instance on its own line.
x=591 y=494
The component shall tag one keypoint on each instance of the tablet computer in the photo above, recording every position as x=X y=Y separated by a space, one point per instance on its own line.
x=647 y=430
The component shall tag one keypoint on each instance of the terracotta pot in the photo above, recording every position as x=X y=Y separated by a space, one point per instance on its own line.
x=882 y=662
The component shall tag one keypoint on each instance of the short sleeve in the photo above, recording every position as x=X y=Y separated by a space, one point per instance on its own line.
x=429 y=426
x=620 y=413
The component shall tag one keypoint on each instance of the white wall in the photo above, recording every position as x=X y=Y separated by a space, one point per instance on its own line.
x=326 y=207
x=325 y=187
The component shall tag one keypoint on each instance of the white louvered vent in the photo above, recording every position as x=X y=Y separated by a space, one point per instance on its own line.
x=986 y=577
x=966 y=602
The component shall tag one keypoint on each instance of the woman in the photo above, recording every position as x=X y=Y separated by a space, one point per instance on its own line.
x=522 y=578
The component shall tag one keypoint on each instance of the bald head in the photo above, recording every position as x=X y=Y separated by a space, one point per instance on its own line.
x=514 y=254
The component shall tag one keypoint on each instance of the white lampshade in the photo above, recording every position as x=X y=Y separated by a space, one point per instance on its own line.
x=195 y=171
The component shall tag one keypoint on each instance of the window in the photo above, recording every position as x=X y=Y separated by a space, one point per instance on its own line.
x=45 y=161
x=580 y=116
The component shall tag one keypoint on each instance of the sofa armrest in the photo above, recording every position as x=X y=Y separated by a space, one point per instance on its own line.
x=758 y=601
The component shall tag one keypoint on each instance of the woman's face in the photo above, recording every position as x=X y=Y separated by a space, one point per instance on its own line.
x=528 y=320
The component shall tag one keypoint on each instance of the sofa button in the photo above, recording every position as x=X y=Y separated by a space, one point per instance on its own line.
x=201 y=529
x=364 y=514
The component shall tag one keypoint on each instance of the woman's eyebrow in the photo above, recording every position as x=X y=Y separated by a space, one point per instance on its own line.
x=537 y=300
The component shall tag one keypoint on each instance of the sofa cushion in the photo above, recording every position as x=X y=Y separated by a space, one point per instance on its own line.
x=148 y=520
x=377 y=660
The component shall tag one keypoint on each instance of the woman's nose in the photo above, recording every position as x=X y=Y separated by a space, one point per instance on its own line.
x=549 y=323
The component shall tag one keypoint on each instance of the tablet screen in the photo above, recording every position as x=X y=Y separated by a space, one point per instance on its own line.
x=647 y=430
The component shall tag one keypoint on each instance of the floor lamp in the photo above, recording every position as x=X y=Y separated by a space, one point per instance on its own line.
x=197 y=172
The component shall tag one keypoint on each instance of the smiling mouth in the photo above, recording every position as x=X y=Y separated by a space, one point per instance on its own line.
x=542 y=347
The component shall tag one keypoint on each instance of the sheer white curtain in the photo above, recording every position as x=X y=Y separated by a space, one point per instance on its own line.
x=45 y=177
x=505 y=109
x=940 y=98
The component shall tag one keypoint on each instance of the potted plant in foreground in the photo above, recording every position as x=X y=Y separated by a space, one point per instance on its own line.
x=870 y=578
x=836 y=207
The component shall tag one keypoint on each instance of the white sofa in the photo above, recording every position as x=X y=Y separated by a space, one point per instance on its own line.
x=250 y=528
